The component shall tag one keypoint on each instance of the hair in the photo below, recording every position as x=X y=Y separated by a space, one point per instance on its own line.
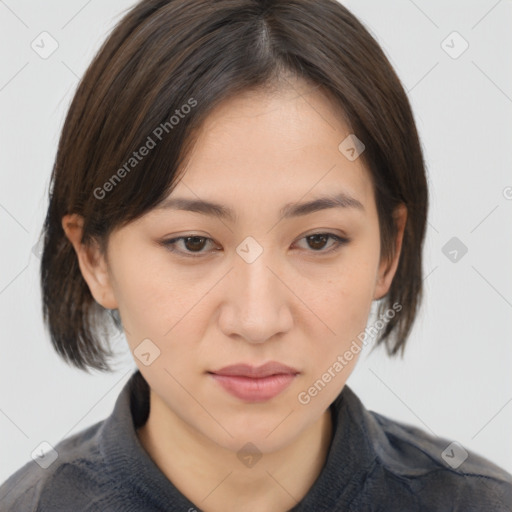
x=170 y=57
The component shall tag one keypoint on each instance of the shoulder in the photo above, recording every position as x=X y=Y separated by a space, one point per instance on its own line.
x=56 y=479
x=439 y=471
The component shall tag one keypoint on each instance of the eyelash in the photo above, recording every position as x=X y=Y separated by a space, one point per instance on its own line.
x=171 y=243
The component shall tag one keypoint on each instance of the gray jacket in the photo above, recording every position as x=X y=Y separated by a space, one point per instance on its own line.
x=374 y=464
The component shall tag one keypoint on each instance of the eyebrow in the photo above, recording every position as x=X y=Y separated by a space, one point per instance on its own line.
x=290 y=210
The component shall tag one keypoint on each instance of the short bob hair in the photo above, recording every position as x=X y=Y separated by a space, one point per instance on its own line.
x=163 y=68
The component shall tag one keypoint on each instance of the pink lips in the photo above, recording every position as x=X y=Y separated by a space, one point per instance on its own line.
x=255 y=384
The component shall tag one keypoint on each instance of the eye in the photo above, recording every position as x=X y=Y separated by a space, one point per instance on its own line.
x=317 y=242
x=193 y=245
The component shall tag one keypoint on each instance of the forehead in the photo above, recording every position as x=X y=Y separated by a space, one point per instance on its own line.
x=274 y=146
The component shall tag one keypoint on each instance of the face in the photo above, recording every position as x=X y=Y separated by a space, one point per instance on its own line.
x=269 y=283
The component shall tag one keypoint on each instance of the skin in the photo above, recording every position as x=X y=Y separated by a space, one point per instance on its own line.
x=297 y=303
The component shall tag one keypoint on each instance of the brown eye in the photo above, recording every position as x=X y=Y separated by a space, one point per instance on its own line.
x=317 y=242
x=193 y=245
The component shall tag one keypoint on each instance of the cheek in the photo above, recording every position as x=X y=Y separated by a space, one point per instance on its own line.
x=344 y=318
x=150 y=299
x=332 y=353
x=346 y=298
x=343 y=305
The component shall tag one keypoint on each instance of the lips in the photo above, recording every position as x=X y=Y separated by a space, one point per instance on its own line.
x=255 y=384
x=266 y=370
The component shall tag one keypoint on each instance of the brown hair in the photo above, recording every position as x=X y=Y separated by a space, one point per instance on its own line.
x=166 y=54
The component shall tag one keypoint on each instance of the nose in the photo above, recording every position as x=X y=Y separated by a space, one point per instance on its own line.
x=258 y=301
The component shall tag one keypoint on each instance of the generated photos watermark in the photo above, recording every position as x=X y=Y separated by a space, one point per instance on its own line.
x=304 y=397
x=137 y=156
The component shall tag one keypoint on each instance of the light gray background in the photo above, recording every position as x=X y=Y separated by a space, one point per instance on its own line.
x=456 y=378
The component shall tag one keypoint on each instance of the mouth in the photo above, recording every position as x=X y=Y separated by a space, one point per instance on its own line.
x=247 y=370
x=255 y=384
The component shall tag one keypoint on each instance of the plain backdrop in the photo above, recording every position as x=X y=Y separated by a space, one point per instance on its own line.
x=455 y=379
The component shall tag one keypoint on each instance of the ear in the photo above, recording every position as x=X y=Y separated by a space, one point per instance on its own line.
x=92 y=262
x=387 y=269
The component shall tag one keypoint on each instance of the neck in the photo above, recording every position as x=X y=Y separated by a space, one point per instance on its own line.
x=212 y=477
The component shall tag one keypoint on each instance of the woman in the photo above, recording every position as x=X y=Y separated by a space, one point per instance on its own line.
x=236 y=183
